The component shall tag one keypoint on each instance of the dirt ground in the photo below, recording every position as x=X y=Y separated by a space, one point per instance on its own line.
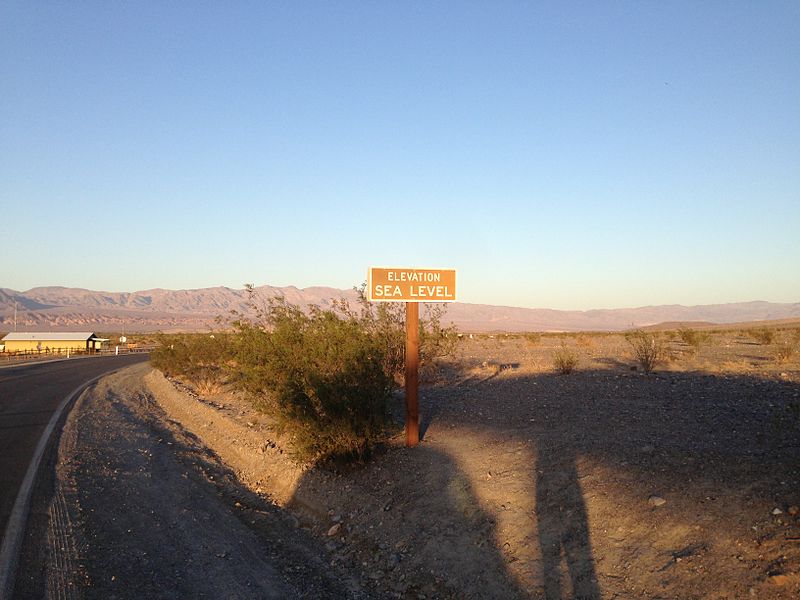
x=601 y=483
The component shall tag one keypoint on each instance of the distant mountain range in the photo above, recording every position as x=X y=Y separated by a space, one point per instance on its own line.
x=73 y=309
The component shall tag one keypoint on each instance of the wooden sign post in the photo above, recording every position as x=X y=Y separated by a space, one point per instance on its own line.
x=411 y=286
x=412 y=374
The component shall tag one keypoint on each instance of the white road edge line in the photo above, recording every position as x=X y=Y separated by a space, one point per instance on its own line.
x=17 y=521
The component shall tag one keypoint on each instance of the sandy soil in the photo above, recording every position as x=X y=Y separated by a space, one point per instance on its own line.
x=603 y=483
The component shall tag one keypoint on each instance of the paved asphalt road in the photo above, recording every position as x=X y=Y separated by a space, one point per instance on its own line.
x=28 y=396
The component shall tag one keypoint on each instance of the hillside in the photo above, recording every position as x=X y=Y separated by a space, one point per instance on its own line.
x=197 y=310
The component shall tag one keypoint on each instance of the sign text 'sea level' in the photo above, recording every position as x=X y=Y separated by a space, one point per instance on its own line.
x=398 y=284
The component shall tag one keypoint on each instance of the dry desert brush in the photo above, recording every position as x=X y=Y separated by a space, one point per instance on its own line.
x=763 y=335
x=532 y=338
x=785 y=350
x=692 y=338
x=564 y=359
x=647 y=347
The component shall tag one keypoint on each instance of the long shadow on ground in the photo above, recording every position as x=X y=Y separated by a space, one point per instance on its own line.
x=691 y=438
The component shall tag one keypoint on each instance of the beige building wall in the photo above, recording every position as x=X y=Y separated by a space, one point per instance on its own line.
x=43 y=345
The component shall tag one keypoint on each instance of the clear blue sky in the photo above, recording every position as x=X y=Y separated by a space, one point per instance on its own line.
x=562 y=155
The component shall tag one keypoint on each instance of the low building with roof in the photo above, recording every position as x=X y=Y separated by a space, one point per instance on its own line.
x=53 y=341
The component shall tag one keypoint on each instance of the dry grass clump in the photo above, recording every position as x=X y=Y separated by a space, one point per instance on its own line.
x=785 y=350
x=208 y=386
x=564 y=359
x=532 y=338
x=741 y=366
x=763 y=335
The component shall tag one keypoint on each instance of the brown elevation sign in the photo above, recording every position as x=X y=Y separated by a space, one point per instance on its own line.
x=397 y=284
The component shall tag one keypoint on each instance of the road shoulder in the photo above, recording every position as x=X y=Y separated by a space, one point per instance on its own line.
x=140 y=508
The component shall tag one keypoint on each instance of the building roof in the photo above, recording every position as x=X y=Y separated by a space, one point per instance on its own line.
x=49 y=336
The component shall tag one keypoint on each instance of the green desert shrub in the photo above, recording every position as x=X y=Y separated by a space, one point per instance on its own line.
x=200 y=358
x=321 y=375
x=386 y=321
x=326 y=375
x=647 y=347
